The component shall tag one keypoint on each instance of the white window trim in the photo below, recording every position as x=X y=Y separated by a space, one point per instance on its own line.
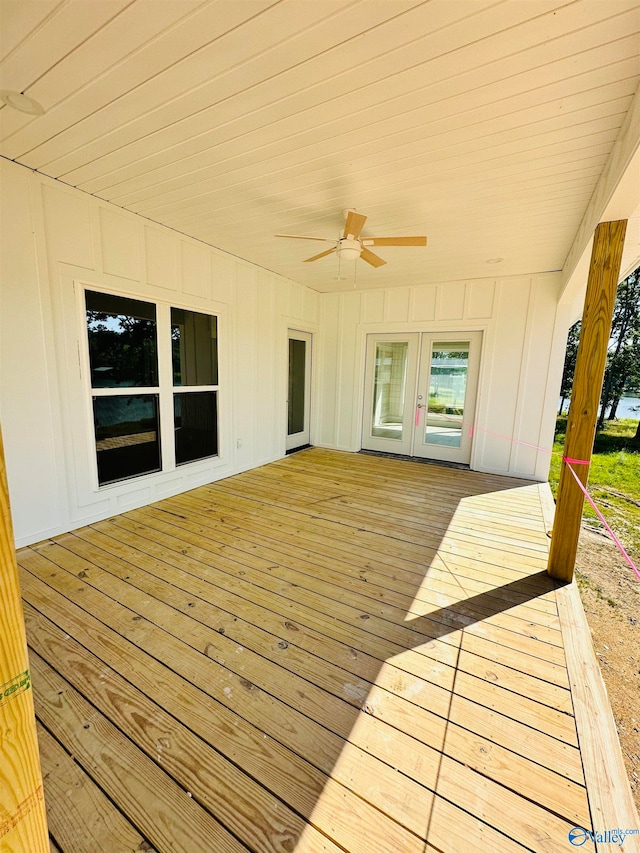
x=165 y=390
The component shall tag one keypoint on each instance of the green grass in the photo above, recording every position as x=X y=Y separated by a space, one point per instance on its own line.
x=614 y=478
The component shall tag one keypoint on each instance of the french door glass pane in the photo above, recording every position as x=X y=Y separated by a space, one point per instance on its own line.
x=127 y=436
x=122 y=341
x=194 y=347
x=196 y=425
x=389 y=389
x=297 y=373
x=447 y=389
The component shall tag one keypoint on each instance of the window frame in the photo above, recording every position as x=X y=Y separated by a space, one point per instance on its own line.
x=165 y=390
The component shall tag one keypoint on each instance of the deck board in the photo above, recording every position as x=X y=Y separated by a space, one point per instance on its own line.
x=166 y=814
x=352 y=591
x=73 y=799
x=272 y=663
x=227 y=515
x=313 y=591
x=297 y=552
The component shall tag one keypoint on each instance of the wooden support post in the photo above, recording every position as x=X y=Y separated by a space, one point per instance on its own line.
x=587 y=385
x=23 y=824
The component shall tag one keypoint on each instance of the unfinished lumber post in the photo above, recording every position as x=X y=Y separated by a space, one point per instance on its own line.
x=599 y=302
x=23 y=824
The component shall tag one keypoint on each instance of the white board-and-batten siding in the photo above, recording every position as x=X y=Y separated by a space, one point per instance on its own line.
x=523 y=344
x=57 y=240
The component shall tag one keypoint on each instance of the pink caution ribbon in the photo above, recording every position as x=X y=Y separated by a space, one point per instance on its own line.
x=598 y=513
x=528 y=444
x=508 y=438
x=569 y=462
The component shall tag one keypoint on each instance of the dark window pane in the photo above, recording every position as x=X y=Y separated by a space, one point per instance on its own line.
x=297 y=356
x=196 y=425
x=122 y=341
x=127 y=436
x=194 y=345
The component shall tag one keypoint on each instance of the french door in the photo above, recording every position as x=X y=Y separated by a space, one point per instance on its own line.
x=420 y=394
x=299 y=390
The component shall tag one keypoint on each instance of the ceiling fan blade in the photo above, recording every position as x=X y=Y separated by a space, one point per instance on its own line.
x=354 y=224
x=395 y=241
x=300 y=237
x=321 y=255
x=372 y=259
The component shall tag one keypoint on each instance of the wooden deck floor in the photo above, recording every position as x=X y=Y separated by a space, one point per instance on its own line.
x=333 y=652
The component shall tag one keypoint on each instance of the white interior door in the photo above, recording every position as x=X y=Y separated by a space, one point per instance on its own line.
x=390 y=390
x=446 y=399
x=420 y=394
x=299 y=390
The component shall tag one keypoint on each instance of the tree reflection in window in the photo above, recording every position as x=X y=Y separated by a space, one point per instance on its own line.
x=122 y=341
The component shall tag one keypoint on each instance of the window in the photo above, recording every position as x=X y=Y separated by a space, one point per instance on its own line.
x=122 y=341
x=131 y=396
x=195 y=416
x=194 y=352
x=194 y=348
x=127 y=436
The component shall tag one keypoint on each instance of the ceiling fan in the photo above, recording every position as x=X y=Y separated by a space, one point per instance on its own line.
x=351 y=246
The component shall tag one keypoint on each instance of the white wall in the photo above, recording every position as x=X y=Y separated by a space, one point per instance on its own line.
x=55 y=240
x=521 y=365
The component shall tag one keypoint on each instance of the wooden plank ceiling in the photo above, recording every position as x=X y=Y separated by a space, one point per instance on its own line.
x=484 y=125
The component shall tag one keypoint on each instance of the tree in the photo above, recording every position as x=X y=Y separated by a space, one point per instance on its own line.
x=569 y=364
x=623 y=359
x=624 y=380
x=122 y=349
x=622 y=373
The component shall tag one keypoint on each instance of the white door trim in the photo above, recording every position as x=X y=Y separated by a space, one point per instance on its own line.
x=410 y=436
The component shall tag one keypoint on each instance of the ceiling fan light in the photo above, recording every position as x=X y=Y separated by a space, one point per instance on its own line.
x=349 y=250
